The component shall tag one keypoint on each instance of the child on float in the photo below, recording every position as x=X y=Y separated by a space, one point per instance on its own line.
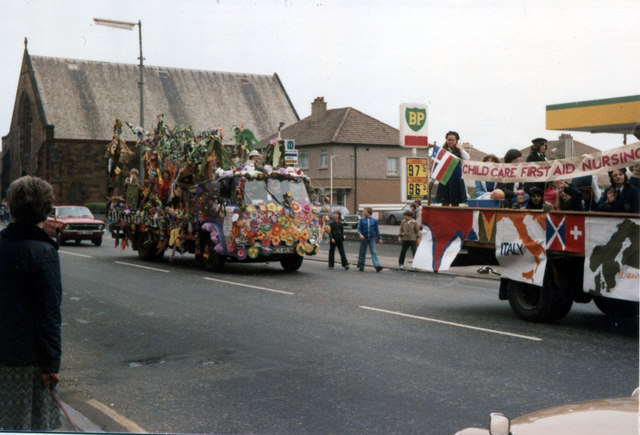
x=535 y=201
x=484 y=188
x=620 y=196
x=569 y=198
x=454 y=192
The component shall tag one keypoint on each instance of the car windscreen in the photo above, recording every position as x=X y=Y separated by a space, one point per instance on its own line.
x=74 y=212
x=257 y=191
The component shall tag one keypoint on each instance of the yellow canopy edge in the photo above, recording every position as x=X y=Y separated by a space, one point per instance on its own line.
x=610 y=115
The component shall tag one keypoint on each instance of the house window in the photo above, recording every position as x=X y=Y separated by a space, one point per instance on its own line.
x=392 y=166
x=303 y=160
x=324 y=159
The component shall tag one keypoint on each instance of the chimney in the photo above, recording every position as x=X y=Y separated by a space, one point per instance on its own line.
x=318 y=109
x=567 y=142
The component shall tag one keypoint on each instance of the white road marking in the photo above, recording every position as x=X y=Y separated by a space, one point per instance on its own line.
x=120 y=419
x=77 y=255
x=250 y=286
x=459 y=325
x=141 y=267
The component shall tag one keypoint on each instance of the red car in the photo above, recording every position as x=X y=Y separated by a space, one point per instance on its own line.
x=74 y=222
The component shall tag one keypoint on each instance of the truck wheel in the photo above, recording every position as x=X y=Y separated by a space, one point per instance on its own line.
x=148 y=251
x=538 y=304
x=616 y=307
x=210 y=260
x=215 y=263
x=97 y=241
x=291 y=263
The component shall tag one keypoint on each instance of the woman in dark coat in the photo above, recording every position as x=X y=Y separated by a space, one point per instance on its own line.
x=454 y=192
x=30 y=316
x=537 y=154
x=621 y=196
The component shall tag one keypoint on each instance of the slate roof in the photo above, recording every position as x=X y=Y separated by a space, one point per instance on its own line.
x=341 y=126
x=83 y=98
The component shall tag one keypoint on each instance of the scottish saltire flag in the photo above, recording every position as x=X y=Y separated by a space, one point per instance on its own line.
x=443 y=164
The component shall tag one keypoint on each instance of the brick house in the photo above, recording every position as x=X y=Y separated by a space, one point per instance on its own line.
x=65 y=109
x=362 y=153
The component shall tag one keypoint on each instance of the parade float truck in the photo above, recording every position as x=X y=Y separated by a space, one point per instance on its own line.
x=221 y=206
x=547 y=261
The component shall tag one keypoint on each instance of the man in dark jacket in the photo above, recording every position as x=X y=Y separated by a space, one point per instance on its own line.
x=30 y=315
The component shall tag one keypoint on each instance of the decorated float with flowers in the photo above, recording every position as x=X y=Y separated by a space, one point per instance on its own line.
x=221 y=203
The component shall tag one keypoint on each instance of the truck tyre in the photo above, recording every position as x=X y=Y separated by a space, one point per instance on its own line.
x=97 y=242
x=59 y=238
x=148 y=251
x=538 y=304
x=215 y=262
x=616 y=307
x=292 y=262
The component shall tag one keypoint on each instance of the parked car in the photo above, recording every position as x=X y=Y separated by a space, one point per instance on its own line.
x=348 y=219
x=395 y=217
x=74 y=222
x=605 y=416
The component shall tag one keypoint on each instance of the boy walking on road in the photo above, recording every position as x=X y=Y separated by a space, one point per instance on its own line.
x=409 y=236
x=369 y=233
x=336 y=240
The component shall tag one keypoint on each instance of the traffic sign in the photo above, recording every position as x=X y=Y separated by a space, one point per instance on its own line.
x=291 y=157
x=290 y=144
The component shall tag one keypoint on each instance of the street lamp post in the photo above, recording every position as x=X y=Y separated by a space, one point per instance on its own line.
x=127 y=25
x=331 y=180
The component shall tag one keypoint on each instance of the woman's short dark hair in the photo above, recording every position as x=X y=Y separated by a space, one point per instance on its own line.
x=455 y=134
x=511 y=155
x=491 y=157
x=339 y=213
x=30 y=199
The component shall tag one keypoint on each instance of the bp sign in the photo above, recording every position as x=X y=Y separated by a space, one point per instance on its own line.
x=413 y=125
x=416 y=118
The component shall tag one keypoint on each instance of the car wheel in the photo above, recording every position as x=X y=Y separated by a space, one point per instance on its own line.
x=392 y=220
x=59 y=238
x=97 y=241
x=78 y=241
x=292 y=262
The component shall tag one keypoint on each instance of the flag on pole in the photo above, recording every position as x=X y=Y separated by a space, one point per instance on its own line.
x=443 y=164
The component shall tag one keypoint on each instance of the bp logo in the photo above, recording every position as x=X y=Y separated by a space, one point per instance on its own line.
x=416 y=118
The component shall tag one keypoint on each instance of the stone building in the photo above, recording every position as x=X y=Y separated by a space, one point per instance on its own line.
x=65 y=109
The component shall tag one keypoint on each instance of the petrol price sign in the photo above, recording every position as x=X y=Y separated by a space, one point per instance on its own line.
x=417 y=179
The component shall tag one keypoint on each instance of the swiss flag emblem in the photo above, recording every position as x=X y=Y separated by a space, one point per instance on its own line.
x=565 y=233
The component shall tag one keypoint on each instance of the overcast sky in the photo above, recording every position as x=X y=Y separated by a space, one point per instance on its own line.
x=486 y=68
